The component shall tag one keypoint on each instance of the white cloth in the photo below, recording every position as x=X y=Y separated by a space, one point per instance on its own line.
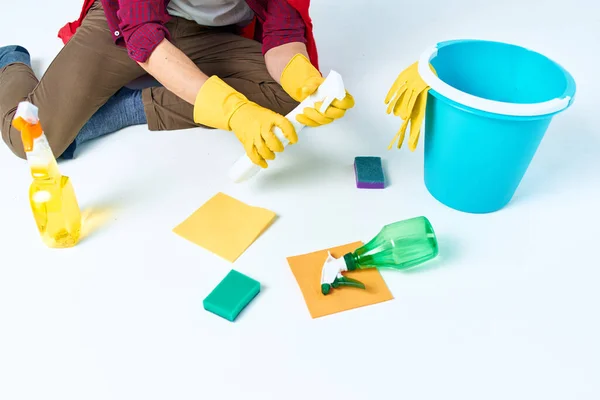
x=212 y=12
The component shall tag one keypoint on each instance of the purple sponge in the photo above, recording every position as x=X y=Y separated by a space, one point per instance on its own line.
x=369 y=173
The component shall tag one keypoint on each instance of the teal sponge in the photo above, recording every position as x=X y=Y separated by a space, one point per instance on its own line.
x=369 y=173
x=232 y=295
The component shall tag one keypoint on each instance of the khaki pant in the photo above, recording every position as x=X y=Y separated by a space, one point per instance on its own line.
x=91 y=68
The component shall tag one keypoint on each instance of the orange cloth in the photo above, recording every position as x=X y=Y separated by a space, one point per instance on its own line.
x=307 y=270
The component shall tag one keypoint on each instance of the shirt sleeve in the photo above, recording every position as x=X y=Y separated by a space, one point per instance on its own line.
x=143 y=26
x=283 y=24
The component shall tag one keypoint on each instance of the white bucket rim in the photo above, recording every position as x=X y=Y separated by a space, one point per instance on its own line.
x=492 y=106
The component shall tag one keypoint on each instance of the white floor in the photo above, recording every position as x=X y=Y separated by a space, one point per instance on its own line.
x=510 y=309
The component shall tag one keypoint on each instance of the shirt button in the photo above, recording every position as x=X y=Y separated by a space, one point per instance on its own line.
x=117 y=33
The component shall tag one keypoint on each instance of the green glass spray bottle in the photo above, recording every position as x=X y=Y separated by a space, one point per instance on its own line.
x=400 y=245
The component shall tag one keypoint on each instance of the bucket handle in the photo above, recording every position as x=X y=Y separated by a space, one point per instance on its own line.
x=482 y=104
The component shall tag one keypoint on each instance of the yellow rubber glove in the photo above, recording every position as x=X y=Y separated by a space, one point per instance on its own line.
x=220 y=106
x=407 y=99
x=300 y=79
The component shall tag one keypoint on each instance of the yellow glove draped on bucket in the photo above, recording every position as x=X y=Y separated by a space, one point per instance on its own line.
x=407 y=99
x=300 y=79
x=220 y=106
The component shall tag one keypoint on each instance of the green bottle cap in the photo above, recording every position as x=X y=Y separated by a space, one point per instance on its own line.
x=350 y=263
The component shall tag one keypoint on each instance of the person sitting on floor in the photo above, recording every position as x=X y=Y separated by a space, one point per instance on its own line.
x=236 y=65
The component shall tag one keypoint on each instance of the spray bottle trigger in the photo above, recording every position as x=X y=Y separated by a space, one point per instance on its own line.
x=27 y=140
x=332 y=88
x=29 y=132
x=326 y=103
x=345 y=281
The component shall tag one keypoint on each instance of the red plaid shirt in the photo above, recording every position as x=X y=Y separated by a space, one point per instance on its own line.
x=276 y=23
x=140 y=25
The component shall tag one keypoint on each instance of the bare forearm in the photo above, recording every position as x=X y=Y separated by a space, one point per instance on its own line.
x=278 y=57
x=175 y=71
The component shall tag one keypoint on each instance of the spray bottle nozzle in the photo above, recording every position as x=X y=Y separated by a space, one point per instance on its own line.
x=27 y=122
x=334 y=87
x=331 y=275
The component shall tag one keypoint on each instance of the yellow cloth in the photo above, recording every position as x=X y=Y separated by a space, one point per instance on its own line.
x=307 y=270
x=220 y=106
x=407 y=98
x=300 y=79
x=225 y=226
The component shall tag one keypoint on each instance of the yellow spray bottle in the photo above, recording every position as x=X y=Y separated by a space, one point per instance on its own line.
x=51 y=194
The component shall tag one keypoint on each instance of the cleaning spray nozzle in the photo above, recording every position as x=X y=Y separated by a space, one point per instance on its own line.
x=331 y=275
x=333 y=88
x=27 y=122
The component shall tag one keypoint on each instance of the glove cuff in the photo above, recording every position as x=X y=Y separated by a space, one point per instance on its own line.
x=295 y=75
x=216 y=102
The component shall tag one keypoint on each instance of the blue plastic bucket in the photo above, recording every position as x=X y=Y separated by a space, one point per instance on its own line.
x=487 y=111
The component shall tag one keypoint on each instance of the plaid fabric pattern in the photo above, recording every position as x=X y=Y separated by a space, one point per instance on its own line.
x=140 y=25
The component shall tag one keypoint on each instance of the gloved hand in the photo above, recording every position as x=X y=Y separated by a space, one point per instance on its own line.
x=220 y=106
x=300 y=79
x=407 y=98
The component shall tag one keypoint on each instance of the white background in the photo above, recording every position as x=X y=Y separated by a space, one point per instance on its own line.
x=509 y=310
